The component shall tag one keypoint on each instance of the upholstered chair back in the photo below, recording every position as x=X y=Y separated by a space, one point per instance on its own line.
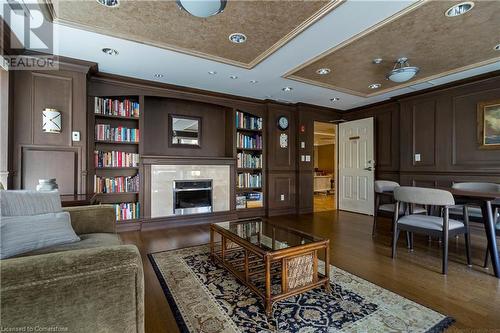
x=385 y=186
x=423 y=196
x=480 y=187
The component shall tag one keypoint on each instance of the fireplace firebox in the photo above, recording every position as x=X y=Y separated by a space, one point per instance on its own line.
x=192 y=196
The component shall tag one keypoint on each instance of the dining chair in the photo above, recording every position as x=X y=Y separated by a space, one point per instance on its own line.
x=441 y=226
x=474 y=212
x=385 y=188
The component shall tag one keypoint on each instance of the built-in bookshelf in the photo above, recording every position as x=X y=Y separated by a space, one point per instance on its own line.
x=249 y=161
x=116 y=157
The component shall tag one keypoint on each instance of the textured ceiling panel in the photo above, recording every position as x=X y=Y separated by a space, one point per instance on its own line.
x=439 y=45
x=267 y=25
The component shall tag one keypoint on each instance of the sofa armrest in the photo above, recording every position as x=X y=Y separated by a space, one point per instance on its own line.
x=89 y=290
x=92 y=219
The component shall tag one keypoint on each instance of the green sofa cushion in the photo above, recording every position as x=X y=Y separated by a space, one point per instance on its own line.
x=87 y=241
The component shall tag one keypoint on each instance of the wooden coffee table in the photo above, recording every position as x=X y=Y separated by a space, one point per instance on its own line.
x=273 y=261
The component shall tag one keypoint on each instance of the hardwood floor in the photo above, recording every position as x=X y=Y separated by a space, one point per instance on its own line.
x=324 y=202
x=470 y=295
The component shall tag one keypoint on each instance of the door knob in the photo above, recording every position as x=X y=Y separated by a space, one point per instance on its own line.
x=369 y=169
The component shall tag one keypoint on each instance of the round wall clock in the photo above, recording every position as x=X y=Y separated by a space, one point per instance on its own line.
x=282 y=123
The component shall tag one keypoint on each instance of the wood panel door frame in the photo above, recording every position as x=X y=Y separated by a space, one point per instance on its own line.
x=335 y=161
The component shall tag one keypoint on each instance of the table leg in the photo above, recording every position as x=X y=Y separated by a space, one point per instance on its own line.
x=489 y=226
x=327 y=267
x=212 y=243
x=267 y=302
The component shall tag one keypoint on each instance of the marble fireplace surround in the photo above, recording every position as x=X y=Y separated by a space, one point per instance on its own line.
x=164 y=171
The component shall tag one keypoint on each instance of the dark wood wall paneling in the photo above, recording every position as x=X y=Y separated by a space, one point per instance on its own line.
x=281 y=162
x=32 y=91
x=440 y=126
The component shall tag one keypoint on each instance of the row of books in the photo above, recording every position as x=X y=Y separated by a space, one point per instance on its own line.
x=248 y=122
x=248 y=141
x=250 y=200
x=115 y=159
x=115 y=107
x=127 y=211
x=120 y=184
x=105 y=132
x=245 y=160
x=246 y=179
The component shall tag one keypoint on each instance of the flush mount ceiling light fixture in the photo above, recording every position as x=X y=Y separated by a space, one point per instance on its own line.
x=287 y=89
x=374 y=86
x=323 y=71
x=202 y=8
x=233 y=77
x=237 y=38
x=402 y=71
x=109 y=3
x=459 y=9
x=110 y=51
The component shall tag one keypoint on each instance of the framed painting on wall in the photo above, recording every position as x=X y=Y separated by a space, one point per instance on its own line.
x=488 y=124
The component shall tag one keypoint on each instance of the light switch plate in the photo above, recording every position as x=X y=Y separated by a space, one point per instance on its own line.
x=282 y=197
x=308 y=158
x=75 y=136
x=417 y=157
x=302 y=158
x=302 y=144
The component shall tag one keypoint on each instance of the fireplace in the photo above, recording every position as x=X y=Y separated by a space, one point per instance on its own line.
x=192 y=196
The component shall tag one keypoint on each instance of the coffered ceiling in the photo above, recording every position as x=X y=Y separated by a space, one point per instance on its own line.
x=437 y=44
x=288 y=40
x=267 y=24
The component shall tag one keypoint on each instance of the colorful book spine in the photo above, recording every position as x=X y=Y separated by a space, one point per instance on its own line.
x=245 y=160
x=249 y=180
x=115 y=159
x=121 y=184
x=245 y=121
x=114 y=107
x=104 y=132
x=127 y=211
x=249 y=141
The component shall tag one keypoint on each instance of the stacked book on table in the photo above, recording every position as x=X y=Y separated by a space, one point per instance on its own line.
x=249 y=200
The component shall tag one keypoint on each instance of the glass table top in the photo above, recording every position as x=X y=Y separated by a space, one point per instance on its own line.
x=267 y=236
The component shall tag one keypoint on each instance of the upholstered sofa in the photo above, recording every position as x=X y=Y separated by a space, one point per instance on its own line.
x=93 y=285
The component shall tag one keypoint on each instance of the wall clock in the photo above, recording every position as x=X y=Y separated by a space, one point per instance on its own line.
x=283 y=140
x=282 y=123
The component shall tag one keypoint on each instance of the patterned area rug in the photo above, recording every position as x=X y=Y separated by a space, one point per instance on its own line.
x=206 y=298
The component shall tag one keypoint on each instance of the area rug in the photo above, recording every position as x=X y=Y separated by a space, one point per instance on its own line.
x=206 y=298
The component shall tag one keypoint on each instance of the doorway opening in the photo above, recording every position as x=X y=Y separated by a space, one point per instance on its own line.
x=325 y=166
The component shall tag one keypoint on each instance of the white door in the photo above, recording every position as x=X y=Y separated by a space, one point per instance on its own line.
x=356 y=166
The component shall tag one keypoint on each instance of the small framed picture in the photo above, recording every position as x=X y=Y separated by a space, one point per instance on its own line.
x=488 y=124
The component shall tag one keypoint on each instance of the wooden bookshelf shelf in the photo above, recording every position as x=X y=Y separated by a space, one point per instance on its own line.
x=116 y=142
x=118 y=168
x=246 y=157
x=106 y=116
x=116 y=193
x=116 y=113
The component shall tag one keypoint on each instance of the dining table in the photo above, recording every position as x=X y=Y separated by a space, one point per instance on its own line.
x=486 y=201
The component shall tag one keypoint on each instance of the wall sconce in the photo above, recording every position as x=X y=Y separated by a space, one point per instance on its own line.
x=51 y=121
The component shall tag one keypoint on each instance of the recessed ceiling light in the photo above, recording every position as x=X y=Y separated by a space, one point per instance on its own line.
x=253 y=81
x=237 y=38
x=202 y=8
x=110 y=51
x=497 y=47
x=212 y=72
x=158 y=76
x=323 y=71
x=109 y=3
x=459 y=9
x=377 y=61
x=287 y=89
x=374 y=86
x=335 y=99
x=233 y=77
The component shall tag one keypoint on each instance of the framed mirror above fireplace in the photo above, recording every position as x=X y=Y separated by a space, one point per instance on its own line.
x=184 y=131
